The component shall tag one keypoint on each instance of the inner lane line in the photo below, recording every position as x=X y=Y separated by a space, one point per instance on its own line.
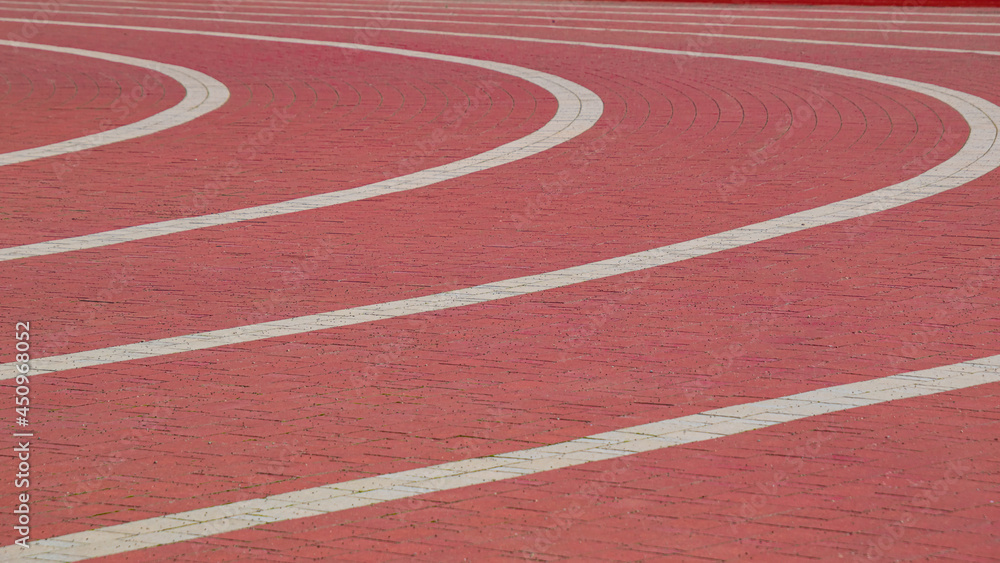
x=578 y=110
x=203 y=94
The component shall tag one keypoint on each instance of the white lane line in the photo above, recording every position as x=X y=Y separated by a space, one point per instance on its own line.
x=150 y=230
x=335 y=497
x=626 y=8
x=963 y=167
x=578 y=110
x=557 y=10
x=979 y=155
x=707 y=9
x=558 y=41
x=203 y=95
x=893 y=28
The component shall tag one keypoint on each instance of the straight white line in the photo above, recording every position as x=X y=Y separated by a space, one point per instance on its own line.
x=395 y=17
x=557 y=10
x=625 y=8
x=979 y=155
x=525 y=25
x=921 y=49
x=203 y=94
x=336 y=497
x=578 y=110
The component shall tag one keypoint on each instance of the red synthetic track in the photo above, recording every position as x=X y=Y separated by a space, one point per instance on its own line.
x=901 y=4
x=907 y=289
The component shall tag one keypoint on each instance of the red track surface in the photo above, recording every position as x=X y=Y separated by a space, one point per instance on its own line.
x=906 y=289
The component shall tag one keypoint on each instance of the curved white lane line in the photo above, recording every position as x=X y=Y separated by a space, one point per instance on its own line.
x=885 y=29
x=979 y=155
x=578 y=110
x=180 y=225
x=336 y=497
x=203 y=95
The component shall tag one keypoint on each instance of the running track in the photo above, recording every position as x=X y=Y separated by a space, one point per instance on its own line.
x=409 y=298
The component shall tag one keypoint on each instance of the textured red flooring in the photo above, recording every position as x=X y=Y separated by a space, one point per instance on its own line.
x=326 y=110
x=49 y=97
x=852 y=485
x=685 y=148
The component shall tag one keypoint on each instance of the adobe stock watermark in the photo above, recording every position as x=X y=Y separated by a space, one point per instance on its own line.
x=123 y=106
x=380 y=21
x=701 y=42
x=563 y=521
x=453 y=117
x=389 y=352
x=614 y=306
x=551 y=189
x=223 y=7
x=141 y=434
x=373 y=27
x=930 y=494
x=897 y=17
x=787 y=124
x=120 y=281
x=294 y=278
x=793 y=464
x=753 y=330
x=38 y=19
x=23 y=434
x=282 y=456
x=954 y=301
x=247 y=150
x=951 y=140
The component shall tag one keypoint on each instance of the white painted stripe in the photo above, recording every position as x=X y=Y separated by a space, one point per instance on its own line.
x=181 y=225
x=707 y=425
x=578 y=110
x=335 y=198
x=922 y=49
x=624 y=30
x=628 y=8
x=614 y=7
x=979 y=155
x=203 y=95
x=336 y=497
x=558 y=9
x=893 y=27
x=714 y=10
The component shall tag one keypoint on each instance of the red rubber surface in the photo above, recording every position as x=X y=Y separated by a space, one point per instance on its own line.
x=906 y=289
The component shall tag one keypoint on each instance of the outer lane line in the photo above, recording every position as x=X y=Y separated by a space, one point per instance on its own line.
x=326 y=499
x=979 y=155
x=556 y=41
x=572 y=8
x=579 y=109
x=4 y=6
x=203 y=94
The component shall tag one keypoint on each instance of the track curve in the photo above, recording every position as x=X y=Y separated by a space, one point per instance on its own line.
x=855 y=297
x=203 y=94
